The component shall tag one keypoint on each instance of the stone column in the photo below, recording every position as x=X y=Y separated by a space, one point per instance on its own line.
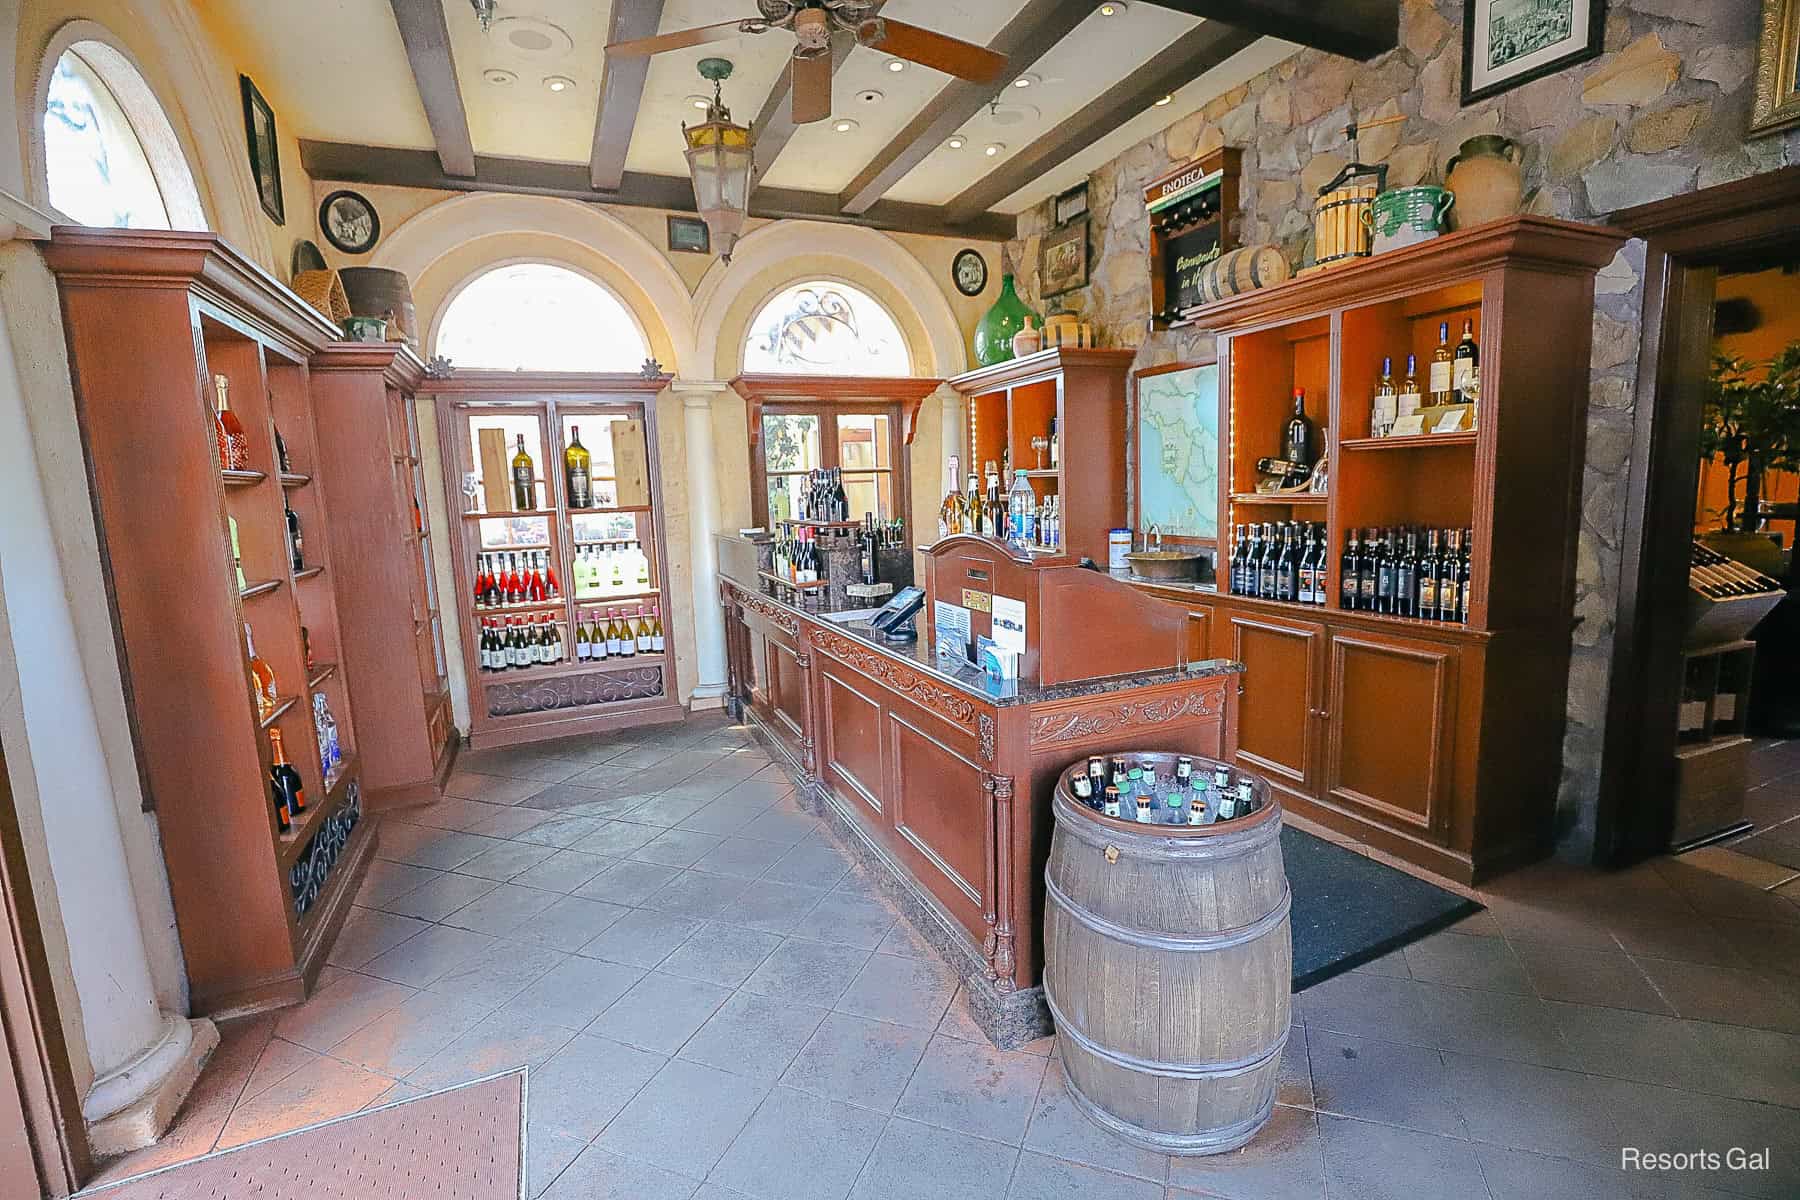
x=703 y=525
x=142 y=1058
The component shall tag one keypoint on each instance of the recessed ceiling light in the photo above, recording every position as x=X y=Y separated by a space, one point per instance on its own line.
x=896 y=65
x=1025 y=81
x=697 y=101
x=499 y=77
x=558 y=83
x=1165 y=100
x=843 y=125
x=869 y=96
x=1112 y=8
x=957 y=142
x=994 y=149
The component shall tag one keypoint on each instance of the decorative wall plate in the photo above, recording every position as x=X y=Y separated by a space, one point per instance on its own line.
x=970 y=272
x=349 y=222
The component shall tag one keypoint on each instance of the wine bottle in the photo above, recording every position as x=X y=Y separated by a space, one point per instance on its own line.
x=1386 y=564
x=1299 y=440
x=1463 y=570
x=524 y=480
x=281 y=453
x=1265 y=568
x=1287 y=570
x=1349 y=593
x=288 y=786
x=577 y=469
x=1385 y=408
x=1307 y=570
x=1406 y=577
x=627 y=636
x=262 y=679
x=1410 y=401
x=234 y=446
x=643 y=631
x=657 y=643
x=615 y=635
x=1443 y=376
x=1429 y=566
x=1367 y=568
x=552 y=590
x=1465 y=363
x=296 y=541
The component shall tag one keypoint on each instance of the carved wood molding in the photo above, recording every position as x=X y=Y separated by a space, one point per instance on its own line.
x=950 y=705
x=1002 y=960
x=1109 y=717
x=573 y=691
x=987 y=737
x=774 y=614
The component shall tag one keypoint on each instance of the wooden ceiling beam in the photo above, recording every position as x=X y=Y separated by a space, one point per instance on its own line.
x=340 y=162
x=621 y=92
x=1184 y=60
x=1029 y=36
x=1360 y=29
x=426 y=33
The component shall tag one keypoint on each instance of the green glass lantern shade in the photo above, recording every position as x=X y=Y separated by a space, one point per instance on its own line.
x=994 y=334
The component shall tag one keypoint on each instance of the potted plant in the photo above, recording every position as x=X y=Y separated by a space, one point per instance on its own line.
x=1751 y=425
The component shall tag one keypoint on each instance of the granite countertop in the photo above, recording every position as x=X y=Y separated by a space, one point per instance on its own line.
x=969 y=679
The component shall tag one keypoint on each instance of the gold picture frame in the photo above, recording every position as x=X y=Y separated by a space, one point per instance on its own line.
x=1776 y=105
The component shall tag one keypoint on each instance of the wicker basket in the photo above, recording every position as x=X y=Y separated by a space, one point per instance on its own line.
x=325 y=292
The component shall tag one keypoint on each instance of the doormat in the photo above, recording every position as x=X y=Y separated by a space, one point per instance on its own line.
x=463 y=1143
x=1349 y=909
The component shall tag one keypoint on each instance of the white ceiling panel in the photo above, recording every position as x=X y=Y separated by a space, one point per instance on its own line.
x=531 y=42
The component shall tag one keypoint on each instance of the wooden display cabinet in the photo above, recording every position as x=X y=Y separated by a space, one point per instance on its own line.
x=1437 y=742
x=571 y=696
x=1012 y=402
x=386 y=586
x=151 y=319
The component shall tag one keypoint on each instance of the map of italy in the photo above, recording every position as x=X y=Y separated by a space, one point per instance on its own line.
x=1178 y=438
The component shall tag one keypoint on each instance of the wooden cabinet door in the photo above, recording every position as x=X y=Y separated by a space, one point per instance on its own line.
x=1390 y=726
x=1279 y=709
x=787 y=690
x=1199 y=631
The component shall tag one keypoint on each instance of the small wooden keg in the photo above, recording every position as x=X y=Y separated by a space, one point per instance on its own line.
x=1167 y=967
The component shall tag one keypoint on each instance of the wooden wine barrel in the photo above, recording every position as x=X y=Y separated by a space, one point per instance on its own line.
x=1167 y=967
x=1241 y=270
x=383 y=292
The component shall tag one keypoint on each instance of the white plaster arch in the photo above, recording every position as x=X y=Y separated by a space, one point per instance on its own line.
x=444 y=228
x=873 y=261
x=164 y=42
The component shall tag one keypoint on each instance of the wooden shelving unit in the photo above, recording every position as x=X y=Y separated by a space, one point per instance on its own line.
x=1435 y=742
x=393 y=643
x=572 y=696
x=1011 y=403
x=151 y=318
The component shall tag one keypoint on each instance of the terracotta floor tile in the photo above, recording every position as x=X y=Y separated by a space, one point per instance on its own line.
x=316 y=1092
x=279 y=1060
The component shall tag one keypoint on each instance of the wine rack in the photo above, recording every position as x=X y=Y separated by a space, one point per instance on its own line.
x=566 y=695
x=194 y=556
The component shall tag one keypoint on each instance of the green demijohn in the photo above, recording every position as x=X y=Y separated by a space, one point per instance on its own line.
x=994 y=334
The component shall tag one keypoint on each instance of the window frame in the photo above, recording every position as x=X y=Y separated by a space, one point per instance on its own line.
x=488 y=269
x=828 y=411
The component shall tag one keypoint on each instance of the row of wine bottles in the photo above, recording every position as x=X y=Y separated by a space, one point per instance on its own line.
x=578 y=474
x=1015 y=515
x=514 y=643
x=1281 y=560
x=823 y=498
x=1407 y=572
x=797 y=557
x=1455 y=379
x=233 y=442
x=610 y=567
x=518 y=577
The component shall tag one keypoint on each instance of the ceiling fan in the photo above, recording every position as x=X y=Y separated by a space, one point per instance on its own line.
x=813 y=22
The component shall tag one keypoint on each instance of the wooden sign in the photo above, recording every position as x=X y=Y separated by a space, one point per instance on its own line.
x=1193 y=209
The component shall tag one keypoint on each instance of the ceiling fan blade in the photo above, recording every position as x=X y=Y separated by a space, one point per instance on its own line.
x=812 y=88
x=699 y=36
x=962 y=59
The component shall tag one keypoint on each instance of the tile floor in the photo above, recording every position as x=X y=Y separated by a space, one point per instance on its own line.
x=716 y=1005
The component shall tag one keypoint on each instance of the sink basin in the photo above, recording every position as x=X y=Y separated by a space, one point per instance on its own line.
x=1166 y=564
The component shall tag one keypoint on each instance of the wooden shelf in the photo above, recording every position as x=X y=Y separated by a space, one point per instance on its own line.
x=627 y=508
x=1421 y=442
x=290 y=479
x=259 y=589
x=1042 y=473
x=320 y=674
x=617 y=598
x=309 y=572
x=280 y=710
x=1281 y=498
x=507 y=516
x=242 y=478
x=519 y=548
x=501 y=610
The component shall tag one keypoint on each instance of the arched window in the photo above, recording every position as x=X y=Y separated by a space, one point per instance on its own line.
x=823 y=327
x=111 y=158
x=540 y=317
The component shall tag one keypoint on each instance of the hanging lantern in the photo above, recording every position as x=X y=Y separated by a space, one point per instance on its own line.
x=720 y=158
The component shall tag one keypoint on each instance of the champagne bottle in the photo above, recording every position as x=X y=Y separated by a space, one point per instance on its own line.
x=577 y=468
x=524 y=480
x=262 y=679
x=234 y=446
x=288 y=787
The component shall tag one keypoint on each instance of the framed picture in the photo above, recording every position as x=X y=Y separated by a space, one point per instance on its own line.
x=1174 y=427
x=349 y=221
x=1063 y=260
x=1776 y=105
x=265 y=151
x=1510 y=42
x=689 y=235
x=1072 y=204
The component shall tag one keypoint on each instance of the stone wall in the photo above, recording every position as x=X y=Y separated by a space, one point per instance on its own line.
x=1662 y=111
